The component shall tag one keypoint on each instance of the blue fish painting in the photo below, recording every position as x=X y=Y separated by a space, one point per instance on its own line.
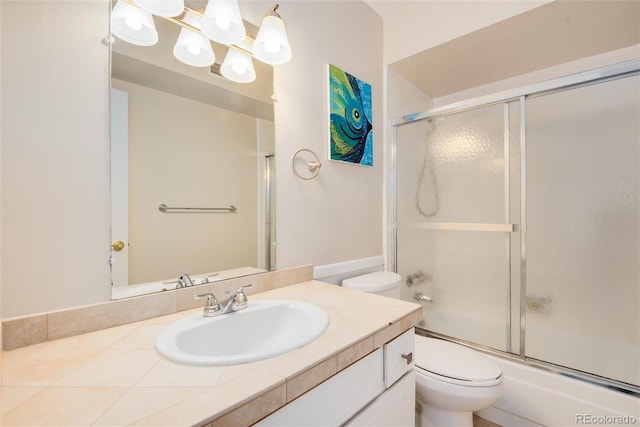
x=350 y=121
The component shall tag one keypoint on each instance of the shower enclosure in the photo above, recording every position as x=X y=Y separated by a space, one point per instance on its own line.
x=517 y=223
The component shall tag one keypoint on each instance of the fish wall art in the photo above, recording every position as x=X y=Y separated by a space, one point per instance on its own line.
x=350 y=121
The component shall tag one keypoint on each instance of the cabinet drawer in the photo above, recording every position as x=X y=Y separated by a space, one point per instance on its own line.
x=398 y=357
x=336 y=400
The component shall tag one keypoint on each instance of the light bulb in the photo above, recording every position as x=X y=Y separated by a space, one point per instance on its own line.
x=193 y=49
x=133 y=23
x=272 y=46
x=222 y=23
x=237 y=67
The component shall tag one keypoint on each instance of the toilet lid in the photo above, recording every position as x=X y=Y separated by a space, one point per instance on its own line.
x=454 y=361
x=373 y=282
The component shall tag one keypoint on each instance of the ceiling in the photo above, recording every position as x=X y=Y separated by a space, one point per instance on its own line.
x=552 y=34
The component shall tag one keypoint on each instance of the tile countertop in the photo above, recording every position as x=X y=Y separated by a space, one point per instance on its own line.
x=114 y=377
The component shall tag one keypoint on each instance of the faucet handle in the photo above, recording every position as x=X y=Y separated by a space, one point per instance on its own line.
x=212 y=306
x=240 y=298
x=209 y=278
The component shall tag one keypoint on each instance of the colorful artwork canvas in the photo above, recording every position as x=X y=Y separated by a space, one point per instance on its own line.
x=350 y=121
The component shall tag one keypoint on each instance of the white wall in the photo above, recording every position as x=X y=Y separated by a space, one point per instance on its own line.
x=338 y=215
x=55 y=151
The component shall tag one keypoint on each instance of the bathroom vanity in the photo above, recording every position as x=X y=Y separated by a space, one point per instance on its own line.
x=115 y=377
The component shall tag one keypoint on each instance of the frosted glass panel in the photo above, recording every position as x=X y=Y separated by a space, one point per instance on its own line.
x=583 y=281
x=451 y=168
x=464 y=273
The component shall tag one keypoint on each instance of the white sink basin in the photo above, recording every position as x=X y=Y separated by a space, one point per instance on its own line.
x=266 y=328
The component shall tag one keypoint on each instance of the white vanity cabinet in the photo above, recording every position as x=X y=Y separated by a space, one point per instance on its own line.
x=378 y=390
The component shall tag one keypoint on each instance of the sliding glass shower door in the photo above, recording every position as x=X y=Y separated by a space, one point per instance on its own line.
x=457 y=188
x=517 y=225
x=583 y=280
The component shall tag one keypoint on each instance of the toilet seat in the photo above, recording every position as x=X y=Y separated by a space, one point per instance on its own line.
x=454 y=364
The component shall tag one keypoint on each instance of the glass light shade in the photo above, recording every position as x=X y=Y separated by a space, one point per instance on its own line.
x=166 y=8
x=238 y=67
x=193 y=49
x=222 y=22
x=271 y=45
x=133 y=25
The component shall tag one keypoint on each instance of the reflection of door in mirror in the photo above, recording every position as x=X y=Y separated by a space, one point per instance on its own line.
x=270 y=210
x=119 y=188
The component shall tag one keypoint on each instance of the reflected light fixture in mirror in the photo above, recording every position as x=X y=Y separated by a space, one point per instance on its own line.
x=221 y=22
x=193 y=48
x=237 y=67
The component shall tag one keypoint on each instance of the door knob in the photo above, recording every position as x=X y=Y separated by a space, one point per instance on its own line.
x=117 y=245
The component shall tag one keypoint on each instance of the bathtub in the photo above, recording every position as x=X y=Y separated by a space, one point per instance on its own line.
x=536 y=397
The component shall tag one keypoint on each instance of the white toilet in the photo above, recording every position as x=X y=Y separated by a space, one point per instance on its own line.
x=385 y=283
x=452 y=381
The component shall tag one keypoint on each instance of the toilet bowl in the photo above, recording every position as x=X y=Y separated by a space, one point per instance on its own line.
x=385 y=283
x=452 y=382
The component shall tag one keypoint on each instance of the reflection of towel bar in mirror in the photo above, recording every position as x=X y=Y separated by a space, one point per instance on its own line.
x=168 y=209
x=313 y=165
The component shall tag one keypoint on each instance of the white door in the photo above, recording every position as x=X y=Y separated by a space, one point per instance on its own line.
x=119 y=188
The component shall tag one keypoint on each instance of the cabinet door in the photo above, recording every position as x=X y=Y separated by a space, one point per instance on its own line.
x=398 y=357
x=395 y=407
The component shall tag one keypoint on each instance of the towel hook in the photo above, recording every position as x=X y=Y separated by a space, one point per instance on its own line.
x=312 y=165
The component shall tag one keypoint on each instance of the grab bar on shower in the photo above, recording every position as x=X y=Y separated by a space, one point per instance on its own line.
x=170 y=209
x=461 y=226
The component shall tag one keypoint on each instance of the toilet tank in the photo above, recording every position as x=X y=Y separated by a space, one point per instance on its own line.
x=385 y=283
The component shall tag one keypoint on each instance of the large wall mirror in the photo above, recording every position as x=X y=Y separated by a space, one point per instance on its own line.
x=186 y=138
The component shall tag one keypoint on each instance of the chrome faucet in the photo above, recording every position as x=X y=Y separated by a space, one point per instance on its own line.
x=184 y=281
x=238 y=300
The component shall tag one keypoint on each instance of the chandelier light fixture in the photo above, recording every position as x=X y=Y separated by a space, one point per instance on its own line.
x=133 y=25
x=193 y=48
x=221 y=22
x=238 y=67
x=271 y=45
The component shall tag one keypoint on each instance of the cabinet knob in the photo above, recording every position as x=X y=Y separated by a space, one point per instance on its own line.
x=408 y=357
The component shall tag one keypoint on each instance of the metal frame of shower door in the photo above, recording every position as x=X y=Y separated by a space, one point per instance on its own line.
x=586 y=78
x=507 y=227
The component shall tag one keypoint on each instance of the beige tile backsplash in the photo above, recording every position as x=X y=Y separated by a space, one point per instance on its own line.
x=39 y=328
